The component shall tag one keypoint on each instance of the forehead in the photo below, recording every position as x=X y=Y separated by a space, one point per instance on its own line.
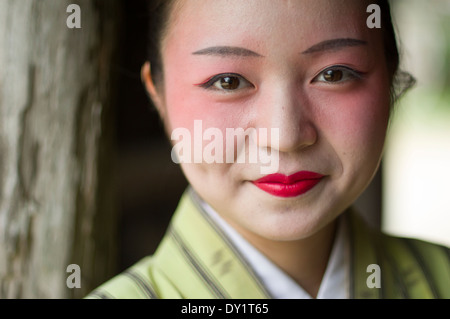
x=263 y=23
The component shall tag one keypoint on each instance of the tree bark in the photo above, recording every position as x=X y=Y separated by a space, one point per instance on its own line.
x=56 y=177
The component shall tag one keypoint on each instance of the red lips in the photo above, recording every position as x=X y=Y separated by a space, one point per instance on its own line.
x=288 y=186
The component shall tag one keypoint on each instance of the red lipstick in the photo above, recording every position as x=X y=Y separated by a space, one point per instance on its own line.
x=288 y=186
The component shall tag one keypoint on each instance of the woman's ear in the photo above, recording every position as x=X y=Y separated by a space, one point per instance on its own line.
x=152 y=90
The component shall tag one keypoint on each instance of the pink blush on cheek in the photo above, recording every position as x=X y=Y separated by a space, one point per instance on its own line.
x=359 y=125
x=186 y=102
x=355 y=119
x=184 y=108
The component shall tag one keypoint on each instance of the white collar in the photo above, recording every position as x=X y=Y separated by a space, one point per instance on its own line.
x=335 y=282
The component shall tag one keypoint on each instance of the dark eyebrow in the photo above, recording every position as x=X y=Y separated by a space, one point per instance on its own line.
x=225 y=51
x=335 y=44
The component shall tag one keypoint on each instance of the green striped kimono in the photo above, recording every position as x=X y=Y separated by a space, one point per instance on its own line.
x=196 y=260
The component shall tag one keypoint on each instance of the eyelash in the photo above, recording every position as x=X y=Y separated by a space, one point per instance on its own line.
x=350 y=73
x=209 y=84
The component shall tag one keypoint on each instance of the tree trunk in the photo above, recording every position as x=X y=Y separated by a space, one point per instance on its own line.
x=55 y=146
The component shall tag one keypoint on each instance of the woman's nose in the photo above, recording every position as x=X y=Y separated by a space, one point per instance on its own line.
x=284 y=109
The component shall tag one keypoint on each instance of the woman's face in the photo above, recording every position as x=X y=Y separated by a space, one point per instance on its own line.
x=311 y=69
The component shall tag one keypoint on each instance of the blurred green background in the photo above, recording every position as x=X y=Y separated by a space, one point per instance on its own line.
x=416 y=167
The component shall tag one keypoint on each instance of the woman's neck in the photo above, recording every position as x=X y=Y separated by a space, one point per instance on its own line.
x=304 y=260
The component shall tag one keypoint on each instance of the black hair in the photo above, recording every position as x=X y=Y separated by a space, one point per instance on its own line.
x=159 y=17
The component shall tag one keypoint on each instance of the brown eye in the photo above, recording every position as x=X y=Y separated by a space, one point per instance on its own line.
x=333 y=75
x=338 y=74
x=228 y=83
